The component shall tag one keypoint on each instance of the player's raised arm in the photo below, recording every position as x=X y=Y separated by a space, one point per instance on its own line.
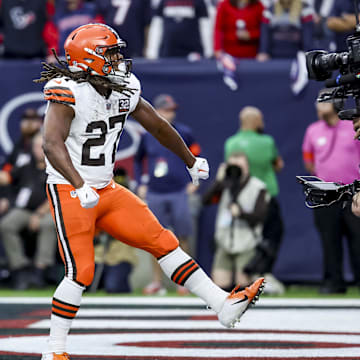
x=157 y=126
x=57 y=124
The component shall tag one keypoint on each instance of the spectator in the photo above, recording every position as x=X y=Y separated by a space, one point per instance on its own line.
x=31 y=211
x=342 y=22
x=264 y=161
x=167 y=189
x=27 y=29
x=322 y=34
x=287 y=27
x=69 y=15
x=243 y=201
x=179 y=29
x=327 y=144
x=131 y=19
x=237 y=28
x=30 y=124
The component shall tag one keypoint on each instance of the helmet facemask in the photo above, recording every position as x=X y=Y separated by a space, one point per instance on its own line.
x=115 y=66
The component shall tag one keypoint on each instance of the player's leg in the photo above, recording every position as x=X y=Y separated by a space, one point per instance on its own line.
x=75 y=229
x=128 y=219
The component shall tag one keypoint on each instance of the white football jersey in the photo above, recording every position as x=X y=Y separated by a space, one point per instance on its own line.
x=95 y=130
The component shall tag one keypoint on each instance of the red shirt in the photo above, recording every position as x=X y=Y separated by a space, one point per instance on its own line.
x=230 y=19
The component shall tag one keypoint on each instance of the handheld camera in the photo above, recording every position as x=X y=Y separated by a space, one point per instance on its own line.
x=321 y=64
x=319 y=193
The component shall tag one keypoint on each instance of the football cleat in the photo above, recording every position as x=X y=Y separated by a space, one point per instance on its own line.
x=238 y=302
x=53 y=356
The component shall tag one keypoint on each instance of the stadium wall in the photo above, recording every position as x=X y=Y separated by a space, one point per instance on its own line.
x=211 y=109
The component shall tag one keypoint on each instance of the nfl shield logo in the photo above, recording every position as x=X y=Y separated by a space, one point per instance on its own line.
x=108 y=106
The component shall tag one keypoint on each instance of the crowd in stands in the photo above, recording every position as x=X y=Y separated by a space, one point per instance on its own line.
x=261 y=29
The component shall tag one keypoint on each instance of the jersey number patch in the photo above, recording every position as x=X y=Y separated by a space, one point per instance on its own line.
x=99 y=141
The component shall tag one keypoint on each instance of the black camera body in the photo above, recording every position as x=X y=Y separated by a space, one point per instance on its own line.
x=319 y=193
x=321 y=64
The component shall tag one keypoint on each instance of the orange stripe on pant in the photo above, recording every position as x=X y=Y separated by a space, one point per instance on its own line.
x=119 y=213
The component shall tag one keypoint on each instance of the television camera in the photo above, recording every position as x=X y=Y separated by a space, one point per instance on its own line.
x=319 y=193
x=321 y=64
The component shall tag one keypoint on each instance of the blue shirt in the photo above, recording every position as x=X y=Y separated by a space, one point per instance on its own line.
x=129 y=19
x=181 y=34
x=167 y=172
x=282 y=36
x=66 y=21
x=340 y=8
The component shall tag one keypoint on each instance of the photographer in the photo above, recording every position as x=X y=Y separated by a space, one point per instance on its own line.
x=265 y=162
x=243 y=204
x=330 y=154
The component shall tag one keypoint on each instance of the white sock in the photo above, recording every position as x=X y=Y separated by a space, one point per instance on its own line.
x=183 y=270
x=66 y=302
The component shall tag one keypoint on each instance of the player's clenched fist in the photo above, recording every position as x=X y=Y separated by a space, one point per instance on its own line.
x=200 y=170
x=88 y=196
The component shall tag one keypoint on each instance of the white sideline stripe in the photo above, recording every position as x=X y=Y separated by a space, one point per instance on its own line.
x=188 y=301
x=118 y=345
x=108 y=312
x=338 y=320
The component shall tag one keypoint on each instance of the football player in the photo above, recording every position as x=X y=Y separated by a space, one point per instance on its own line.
x=89 y=99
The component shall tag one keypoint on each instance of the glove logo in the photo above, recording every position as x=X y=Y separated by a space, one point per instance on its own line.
x=73 y=194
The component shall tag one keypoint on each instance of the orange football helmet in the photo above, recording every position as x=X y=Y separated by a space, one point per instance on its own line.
x=95 y=48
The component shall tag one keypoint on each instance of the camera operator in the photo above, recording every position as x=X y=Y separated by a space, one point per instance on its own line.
x=243 y=204
x=330 y=154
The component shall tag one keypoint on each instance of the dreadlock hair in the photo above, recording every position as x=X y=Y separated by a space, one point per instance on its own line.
x=52 y=71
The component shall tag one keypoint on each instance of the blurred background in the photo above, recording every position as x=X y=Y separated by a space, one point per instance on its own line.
x=211 y=59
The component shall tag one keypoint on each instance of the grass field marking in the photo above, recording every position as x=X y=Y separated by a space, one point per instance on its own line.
x=187 y=301
x=112 y=313
x=340 y=320
x=130 y=344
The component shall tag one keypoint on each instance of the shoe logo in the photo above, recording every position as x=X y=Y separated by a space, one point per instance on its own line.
x=242 y=300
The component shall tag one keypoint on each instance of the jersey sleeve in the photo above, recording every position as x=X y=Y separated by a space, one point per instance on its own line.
x=135 y=85
x=59 y=91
